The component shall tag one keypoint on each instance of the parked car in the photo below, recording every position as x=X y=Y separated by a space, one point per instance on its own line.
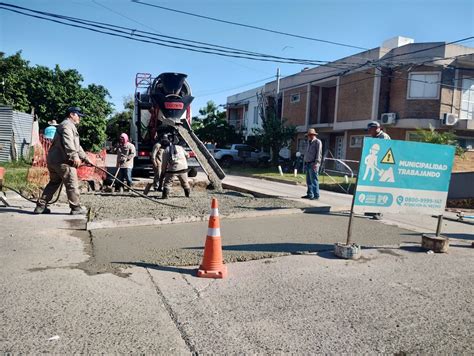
x=239 y=152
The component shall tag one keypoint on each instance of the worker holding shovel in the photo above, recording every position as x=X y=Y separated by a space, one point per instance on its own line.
x=64 y=157
x=125 y=154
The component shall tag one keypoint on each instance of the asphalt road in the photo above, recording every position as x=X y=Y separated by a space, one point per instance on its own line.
x=396 y=299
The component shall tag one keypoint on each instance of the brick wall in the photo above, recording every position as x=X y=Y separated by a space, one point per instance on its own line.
x=355 y=96
x=411 y=108
x=464 y=163
x=295 y=113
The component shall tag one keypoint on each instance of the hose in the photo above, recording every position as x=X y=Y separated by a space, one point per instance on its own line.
x=31 y=200
x=133 y=190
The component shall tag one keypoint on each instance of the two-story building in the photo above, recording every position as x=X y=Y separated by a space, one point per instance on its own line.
x=402 y=84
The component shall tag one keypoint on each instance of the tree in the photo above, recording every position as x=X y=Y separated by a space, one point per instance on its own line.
x=274 y=134
x=120 y=122
x=50 y=92
x=440 y=138
x=213 y=126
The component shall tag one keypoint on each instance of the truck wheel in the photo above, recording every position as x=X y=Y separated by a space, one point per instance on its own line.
x=226 y=161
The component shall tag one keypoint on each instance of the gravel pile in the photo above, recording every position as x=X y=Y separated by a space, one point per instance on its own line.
x=128 y=206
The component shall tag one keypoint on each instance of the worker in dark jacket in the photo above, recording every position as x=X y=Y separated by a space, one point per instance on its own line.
x=64 y=157
x=312 y=163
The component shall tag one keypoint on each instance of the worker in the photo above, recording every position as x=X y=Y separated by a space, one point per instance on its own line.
x=174 y=164
x=376 y=131
x=125 y=154
x=64 y=157
x=50 y=131
x=156 y=160
x=312 y=163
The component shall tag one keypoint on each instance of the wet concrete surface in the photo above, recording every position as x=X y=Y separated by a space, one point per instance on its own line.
x=129 y=206
x=242 y=240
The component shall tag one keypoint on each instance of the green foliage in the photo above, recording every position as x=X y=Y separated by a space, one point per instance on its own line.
x=120 y=122
x=275 y=133
x=440 y=138
x=213 y=126
x=50 y=92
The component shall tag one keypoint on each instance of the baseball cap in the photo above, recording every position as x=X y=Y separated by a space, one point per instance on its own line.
x=75 y=110
x=373 y=124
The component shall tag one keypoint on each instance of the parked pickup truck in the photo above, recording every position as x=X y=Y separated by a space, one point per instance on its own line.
x=239 y=153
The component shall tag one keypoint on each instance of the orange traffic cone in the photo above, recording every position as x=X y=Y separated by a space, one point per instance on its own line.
x=212 y=265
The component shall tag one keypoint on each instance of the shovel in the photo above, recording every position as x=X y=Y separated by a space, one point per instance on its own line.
x=111 y=187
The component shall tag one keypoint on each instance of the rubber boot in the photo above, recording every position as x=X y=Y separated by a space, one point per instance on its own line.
x=165 y=193
x=187 y=192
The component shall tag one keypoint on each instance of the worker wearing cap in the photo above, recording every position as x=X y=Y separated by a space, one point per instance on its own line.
x=375 y=131
x=312 y=162
x=175 y=164
x=64 y=157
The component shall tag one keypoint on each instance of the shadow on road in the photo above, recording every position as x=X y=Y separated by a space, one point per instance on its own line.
x=159 y=267
x=460 y=236
x=275 y=247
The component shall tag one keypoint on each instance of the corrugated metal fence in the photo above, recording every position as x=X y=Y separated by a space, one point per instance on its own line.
x=6 y=132
x=15 y=127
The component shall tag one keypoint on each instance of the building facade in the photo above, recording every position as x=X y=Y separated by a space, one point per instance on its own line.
x=403 y=85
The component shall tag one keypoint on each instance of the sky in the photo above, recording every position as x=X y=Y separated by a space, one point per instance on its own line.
x=113 y=62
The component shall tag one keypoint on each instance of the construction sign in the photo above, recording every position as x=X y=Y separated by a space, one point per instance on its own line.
x=403 y=177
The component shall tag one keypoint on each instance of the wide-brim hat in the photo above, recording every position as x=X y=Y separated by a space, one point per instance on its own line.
x=52 y=123
x=311 y=132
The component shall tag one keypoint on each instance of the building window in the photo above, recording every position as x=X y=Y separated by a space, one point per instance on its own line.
x=466 y=142
x=255 y=115
x=295 y=98
x=356 y=141
x=467 y=99
x=423 y=85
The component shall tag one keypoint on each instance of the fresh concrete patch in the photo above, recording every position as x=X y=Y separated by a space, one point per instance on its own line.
x=107 y=224
x=127 y=210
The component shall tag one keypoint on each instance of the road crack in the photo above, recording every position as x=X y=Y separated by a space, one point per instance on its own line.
x=173 y=315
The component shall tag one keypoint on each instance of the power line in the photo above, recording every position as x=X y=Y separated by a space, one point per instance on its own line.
x=426 y=49
x=247 y=26
x=240 y=86
x=131 y=34
x=124 y=16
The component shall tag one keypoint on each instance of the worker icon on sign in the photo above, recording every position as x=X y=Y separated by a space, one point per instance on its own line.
x=371 y=162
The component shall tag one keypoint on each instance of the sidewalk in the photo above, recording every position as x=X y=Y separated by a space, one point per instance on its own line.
x=332 y=200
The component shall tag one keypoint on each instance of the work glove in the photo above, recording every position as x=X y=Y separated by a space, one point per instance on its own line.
x=76 y=163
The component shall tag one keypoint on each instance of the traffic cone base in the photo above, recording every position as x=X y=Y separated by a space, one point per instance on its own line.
x=222 y=273
x=212 y=265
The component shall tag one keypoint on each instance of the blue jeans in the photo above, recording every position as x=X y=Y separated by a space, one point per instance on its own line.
x=125 y=175
x=312 y=181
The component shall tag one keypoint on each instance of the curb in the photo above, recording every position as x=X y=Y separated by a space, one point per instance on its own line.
x=107 y=224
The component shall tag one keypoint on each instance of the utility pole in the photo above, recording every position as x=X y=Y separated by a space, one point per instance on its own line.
x=278 y=81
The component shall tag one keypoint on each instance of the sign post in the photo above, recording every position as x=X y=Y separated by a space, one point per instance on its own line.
x=403 y=177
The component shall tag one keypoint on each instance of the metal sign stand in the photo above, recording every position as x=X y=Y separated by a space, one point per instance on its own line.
x=435 y=243
x=348 y=250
